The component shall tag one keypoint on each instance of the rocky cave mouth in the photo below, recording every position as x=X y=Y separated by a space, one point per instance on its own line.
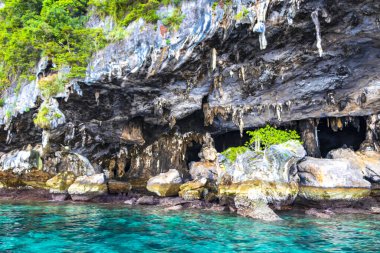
x=338 y=133
x=229 y=139
x=192 y=151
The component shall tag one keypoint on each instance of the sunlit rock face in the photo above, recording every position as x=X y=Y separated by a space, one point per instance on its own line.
x=148 y=99
x=268 y=178
x=331 y=179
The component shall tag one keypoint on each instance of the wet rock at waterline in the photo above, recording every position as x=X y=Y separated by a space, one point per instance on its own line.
x=165 y=184
x=118 y=187
x=193 y=190
x=86 y=188
x=331 y=179
x=255 y=209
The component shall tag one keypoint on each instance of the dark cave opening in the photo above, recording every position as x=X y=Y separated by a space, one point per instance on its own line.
x=229 y=139
x=192 y=151
x=350 y=136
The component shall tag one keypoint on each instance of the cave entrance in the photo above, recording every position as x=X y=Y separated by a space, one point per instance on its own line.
x=346 y=133
x=229 y=139
x=192 y=151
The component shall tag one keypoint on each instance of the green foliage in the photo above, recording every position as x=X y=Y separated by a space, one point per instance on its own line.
x=57 y=29
x=267 y=136
x=242 y=14
x=261 y=139
x=51 y=85
x=174 y=20
x=54 y=28
x=233 y=152
x=126 y=11
x=42 y=120
x=2 y=102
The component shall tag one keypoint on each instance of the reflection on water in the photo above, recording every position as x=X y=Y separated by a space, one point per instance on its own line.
x=50 y=227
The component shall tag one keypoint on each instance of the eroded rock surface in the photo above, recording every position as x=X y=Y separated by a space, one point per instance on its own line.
x=331 y=179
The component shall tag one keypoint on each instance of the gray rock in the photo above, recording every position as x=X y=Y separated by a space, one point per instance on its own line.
x=331 y=179
x=165 y=184
x=255 y=209
x=146 y=200
x=86 y=188
x=209 y=170
x=19 y=162
x=330 y=173
x=368 y=162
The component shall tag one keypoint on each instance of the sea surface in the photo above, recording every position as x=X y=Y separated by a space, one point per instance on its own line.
x=51 y=227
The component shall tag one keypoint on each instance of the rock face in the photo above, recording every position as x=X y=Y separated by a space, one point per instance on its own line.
x=331 y=179
x=368 y=162
x=274 y=166
x=151 y=98
x=209 y=170
x=19 y=162
x=193 y=190
x=255 y=209
x=117 y=187
x=87 y=187
x=165 y=184
x=61 y=182
x=255 y=180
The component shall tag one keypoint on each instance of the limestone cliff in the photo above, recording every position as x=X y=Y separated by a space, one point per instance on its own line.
x=149 y=100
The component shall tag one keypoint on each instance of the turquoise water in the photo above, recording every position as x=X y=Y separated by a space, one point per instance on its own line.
x=48 y=227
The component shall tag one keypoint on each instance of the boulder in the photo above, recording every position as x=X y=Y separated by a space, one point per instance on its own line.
x=165 y=184
x=269 y=178
x=61 y=182
x=77 y=164
x=117 y=187
x=331 y=179
x=255 y=209
x=199 y=170
x=275 y=165
x=86 y=188
x=368 y=162
x=193 y=190
x=208 y=154
x=146 y=200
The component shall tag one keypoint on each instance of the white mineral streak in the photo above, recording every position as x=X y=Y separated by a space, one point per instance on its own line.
x=314 y=16
x=261 y=10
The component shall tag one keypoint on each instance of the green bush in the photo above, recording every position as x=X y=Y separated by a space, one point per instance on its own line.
x=261 y=139
x=233 y=152
x=174 y=20
x=268 y=136
x=42 y=120
x=2 y=102
x=51 y=85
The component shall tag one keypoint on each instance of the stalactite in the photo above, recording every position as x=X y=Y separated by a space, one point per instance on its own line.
x=213 y=59
x=314 y=16
x=242 y=73
x=278 y=112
